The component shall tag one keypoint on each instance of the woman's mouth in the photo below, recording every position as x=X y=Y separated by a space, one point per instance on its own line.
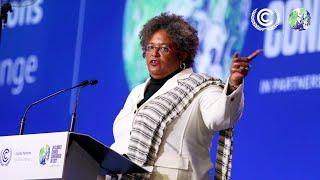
x=154 y=62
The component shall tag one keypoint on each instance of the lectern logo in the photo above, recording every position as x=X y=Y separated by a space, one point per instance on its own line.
x=44 y=154
x=5 y=156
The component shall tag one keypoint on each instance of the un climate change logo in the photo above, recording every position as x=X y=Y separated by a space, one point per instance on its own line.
x=265 y=19
x=5 y=157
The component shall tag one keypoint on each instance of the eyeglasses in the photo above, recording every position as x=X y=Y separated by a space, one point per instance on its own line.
x=163 y=49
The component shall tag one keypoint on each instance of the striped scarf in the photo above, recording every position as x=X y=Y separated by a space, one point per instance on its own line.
x=151 y=121
x=224 y=155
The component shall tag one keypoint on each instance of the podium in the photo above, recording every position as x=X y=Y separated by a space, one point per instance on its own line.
x=60 y=155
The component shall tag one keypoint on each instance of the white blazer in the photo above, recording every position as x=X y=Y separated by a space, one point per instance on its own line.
x=185 y=149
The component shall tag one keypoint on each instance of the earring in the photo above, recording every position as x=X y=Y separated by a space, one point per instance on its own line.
x=182 y=65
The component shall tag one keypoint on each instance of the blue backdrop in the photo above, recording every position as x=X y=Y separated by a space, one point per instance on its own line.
x=55 y=44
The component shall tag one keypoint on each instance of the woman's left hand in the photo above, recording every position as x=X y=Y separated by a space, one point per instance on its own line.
x=240 y=67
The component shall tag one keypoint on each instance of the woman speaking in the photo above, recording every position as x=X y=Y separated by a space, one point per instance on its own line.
x=167 y=123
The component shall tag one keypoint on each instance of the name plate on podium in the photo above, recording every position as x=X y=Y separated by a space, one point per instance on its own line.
x=34 y=156
x=60 y=155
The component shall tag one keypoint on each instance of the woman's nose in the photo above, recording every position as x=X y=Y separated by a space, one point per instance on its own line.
x=155 y=52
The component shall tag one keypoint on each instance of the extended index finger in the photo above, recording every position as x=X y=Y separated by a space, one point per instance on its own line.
x=254 y=54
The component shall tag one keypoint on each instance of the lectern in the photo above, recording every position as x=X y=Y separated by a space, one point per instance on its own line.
x=60 y=155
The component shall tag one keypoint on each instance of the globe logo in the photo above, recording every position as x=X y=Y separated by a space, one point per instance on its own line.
x=220 y=34
x=299 y=19
x=44 y=154
x=5 y=156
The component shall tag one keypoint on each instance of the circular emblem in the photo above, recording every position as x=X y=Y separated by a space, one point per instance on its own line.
x=299 y=19
x=44 y=154
x=220 y=34
x=5 y=157
x=265 y=19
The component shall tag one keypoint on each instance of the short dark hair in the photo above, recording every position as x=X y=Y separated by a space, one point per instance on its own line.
x=180 y=31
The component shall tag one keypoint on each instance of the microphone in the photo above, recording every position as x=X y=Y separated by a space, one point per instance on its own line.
x=88 y=82
x=80 y=85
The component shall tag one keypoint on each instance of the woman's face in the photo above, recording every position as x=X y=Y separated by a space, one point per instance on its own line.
x=161 y=55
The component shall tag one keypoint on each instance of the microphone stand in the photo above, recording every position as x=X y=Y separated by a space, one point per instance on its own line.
x=74 y=113
x=23 y=120
x=75 y=107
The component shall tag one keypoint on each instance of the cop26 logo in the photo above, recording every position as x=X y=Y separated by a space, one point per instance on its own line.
x=265 y=19
x=44 y=154
x=5 y=156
